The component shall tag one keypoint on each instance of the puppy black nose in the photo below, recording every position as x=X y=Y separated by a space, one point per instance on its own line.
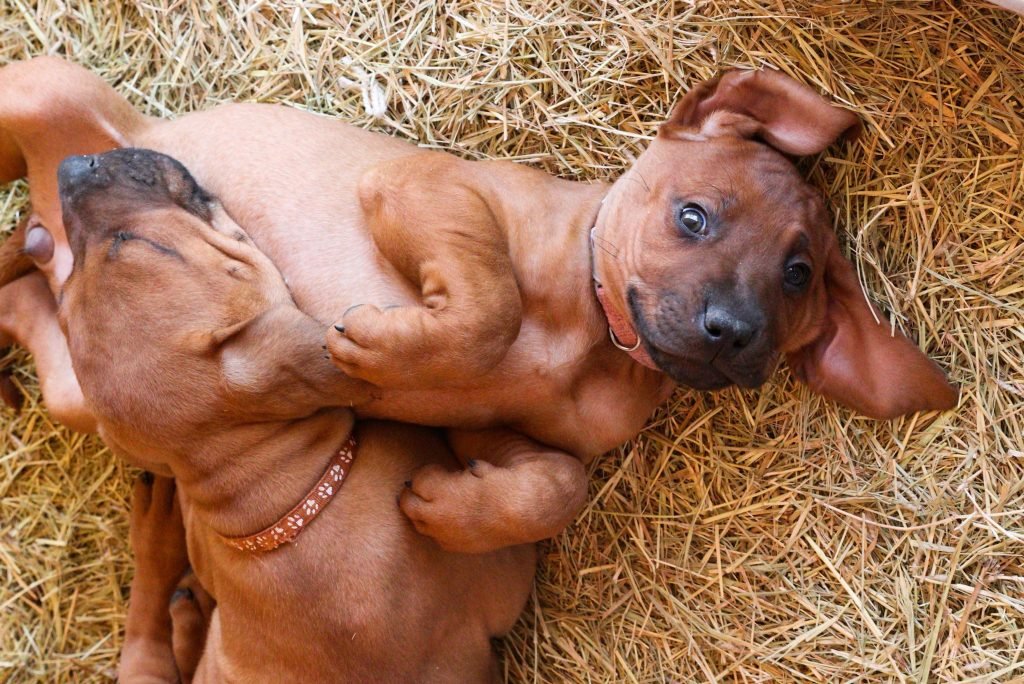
x=726 y=330
x=75 y=169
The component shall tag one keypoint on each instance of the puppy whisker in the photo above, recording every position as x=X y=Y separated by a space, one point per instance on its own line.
x=642 y=181
x=607 y=246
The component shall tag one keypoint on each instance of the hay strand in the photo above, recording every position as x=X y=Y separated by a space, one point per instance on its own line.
x=744 y=536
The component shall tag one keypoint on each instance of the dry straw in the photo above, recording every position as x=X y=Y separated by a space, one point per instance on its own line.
x=755 y=537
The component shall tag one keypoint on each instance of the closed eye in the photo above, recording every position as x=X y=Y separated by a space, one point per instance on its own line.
x=123 y=236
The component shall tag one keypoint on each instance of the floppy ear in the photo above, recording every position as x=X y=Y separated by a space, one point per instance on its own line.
x=860 y=363
x=764 y=105
x=274 y=362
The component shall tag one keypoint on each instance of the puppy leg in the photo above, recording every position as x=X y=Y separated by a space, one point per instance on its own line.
x=28 y=316
x=275 y=367
x=191 y=611
x=157 y=537
x=523 y=492
x=433 y=221
x=50 y=109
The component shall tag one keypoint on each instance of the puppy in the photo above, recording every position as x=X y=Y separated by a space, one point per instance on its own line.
x=542 y=320
x=194 y=361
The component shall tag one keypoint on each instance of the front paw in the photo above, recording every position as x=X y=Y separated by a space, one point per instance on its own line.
x=389 y=347
x=461 y=510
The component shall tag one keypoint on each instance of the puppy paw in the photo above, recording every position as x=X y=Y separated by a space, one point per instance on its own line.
x=191 y=610
x=390 y=347
x=156 y=531
x=461 y=510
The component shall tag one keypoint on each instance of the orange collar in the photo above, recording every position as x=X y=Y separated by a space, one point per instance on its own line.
x=289 y=526
x=623 y=335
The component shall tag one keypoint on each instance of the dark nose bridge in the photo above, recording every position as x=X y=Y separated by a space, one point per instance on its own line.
x=80 y=179
x=137 y=167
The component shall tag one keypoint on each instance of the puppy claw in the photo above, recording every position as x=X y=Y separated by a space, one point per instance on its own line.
x=340 y=328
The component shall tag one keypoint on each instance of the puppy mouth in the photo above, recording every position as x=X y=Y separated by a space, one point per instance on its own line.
x=712 y=373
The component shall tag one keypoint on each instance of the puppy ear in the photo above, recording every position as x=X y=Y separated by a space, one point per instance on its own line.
x=765 y=105
x=860 y=363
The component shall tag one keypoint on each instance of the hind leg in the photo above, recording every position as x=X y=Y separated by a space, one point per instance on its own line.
x=28 y=316
x=157 y=536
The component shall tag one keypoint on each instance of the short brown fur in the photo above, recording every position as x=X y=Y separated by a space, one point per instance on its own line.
x=246 y=416
x=431 y=264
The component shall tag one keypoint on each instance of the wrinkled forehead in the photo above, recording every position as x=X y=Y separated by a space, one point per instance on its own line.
x=148 y=288
x=741 y=179
x=145 y=237
x=125 y=202
x=730 y=165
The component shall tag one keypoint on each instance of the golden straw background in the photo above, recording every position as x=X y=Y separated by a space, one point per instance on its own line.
x=751 y=537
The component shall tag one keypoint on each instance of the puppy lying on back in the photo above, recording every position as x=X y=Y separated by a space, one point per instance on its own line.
x=196 y=363
x=542 y=320
x=708 y=260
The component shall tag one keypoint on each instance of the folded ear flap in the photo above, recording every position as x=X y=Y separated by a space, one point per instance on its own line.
x=274 y=361
x=860 y=363
x=765 y=105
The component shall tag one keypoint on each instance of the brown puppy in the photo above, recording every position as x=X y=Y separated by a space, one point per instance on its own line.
x=190 y=353
x=714 y=257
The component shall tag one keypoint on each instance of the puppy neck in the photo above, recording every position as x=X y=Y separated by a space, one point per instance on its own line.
x=243 y=479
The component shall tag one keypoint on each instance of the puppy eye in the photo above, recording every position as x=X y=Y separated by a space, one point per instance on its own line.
x=692 y=219
x=796 y=276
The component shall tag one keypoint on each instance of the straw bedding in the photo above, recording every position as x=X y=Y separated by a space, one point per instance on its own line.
x=744 y=536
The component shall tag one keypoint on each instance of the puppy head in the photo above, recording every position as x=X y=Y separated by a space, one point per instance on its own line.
x=159 y=274
x=723 y=256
